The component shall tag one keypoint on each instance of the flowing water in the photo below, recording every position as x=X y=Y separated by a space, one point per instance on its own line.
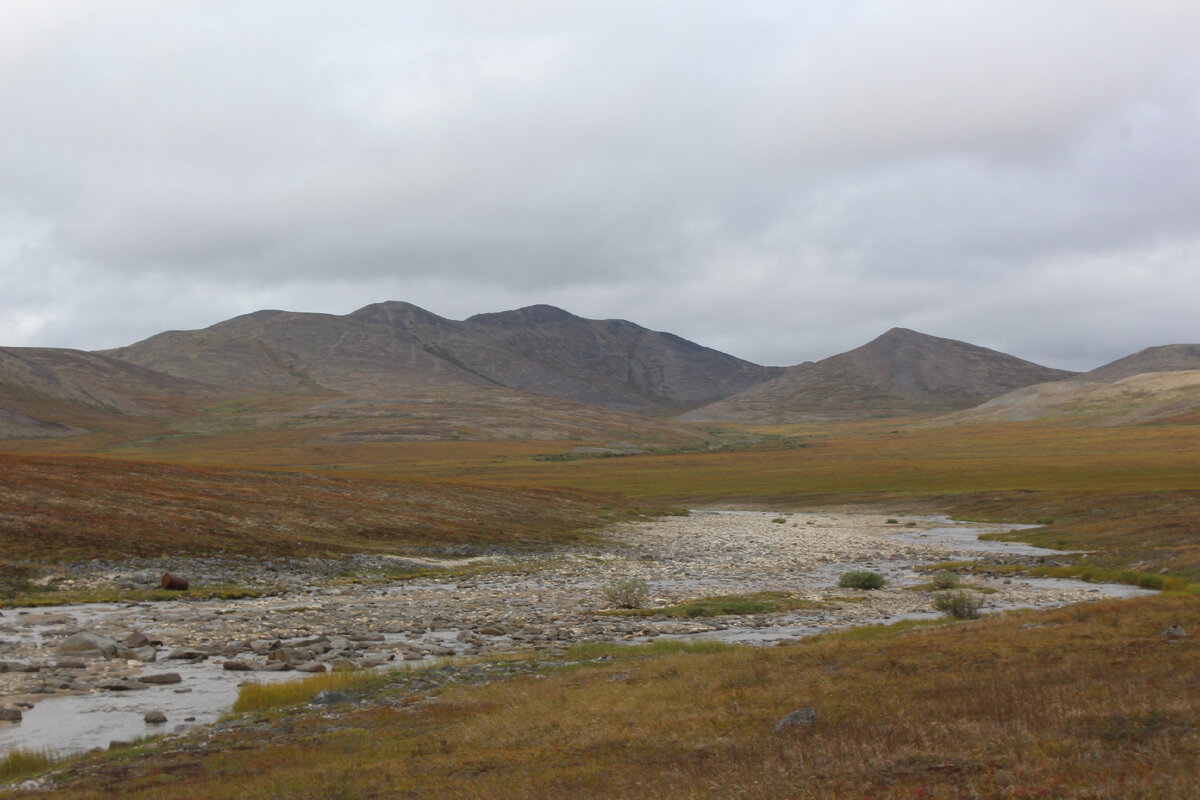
x=73 y=723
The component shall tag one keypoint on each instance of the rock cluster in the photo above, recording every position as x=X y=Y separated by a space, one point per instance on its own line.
x=327 y=621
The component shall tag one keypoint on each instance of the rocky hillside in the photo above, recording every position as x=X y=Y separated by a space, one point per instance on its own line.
x=900 y=372
x=46 y=392
x=388 y=347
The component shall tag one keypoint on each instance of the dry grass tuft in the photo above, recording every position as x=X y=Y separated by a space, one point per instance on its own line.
x=262 y=696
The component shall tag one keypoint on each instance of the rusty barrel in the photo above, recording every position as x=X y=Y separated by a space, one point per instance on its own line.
x=174 y=582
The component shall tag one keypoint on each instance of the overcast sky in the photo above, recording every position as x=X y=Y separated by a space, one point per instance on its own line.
x=779 y=180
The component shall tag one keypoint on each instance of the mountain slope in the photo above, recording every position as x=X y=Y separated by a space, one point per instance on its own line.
x=1166 y=358
x=386 y=348
x=57 y=392
x=1147 y=397
x=900 y=372
x=289 y=351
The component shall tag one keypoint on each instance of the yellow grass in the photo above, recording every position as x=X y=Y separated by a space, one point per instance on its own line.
x=261 y=696
x=23 y=762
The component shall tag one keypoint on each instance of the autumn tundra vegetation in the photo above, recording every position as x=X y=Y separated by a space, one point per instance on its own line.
x=1099 y=700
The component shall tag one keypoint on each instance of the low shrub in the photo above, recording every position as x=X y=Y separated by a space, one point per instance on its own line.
x=626 y=592
x=944 y=580
x=861 y=580
x=959 y=604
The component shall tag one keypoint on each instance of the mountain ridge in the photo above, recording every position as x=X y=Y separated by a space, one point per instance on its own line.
x=396 y=345
x=392 y=371
x=899 y=372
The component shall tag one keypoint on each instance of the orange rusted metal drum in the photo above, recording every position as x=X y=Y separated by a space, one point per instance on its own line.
x=174 y=582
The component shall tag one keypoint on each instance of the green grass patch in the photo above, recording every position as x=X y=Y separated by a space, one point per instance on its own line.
x=22 y=763
x=263 y=696
x=880 y=631
x=117 y=595
x=728 y=604
x=591 y=651
x=973 y=567
x=1098 y=574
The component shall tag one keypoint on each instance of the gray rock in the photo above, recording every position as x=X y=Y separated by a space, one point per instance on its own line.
x=800 y=718
x=145 y=654
x=310 y=666
x=286 y=655
x=1175 y=631
x=339 y=643
x=328 y=698
x=82 y=642
x=155 y=717
x=188 y=654
x=120 y=685
x=10 y=714
x=161 y=678
x=136 y=639
x=236 y=666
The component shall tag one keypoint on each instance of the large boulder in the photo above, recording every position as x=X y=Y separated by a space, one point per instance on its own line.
x=83 y=642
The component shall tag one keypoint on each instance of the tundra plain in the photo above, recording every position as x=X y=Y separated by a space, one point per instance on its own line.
x=1082 y=701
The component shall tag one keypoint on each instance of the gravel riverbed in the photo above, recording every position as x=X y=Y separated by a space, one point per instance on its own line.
x=321 y=619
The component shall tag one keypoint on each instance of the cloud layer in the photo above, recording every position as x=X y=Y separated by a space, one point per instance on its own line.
x=781 y=181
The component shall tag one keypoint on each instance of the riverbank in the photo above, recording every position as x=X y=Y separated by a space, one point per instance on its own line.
x=353 y=616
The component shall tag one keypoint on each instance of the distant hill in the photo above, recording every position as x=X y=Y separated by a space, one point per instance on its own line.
x=900 y=372
x=57 y=392
x=389 y=347
x=1147 y=397
x=1165 y=358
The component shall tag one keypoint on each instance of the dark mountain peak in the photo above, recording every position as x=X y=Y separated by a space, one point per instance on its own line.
x=1165 y=358
x=396 y=314
x=248 y=320
x=906 y=337
x=540 y=314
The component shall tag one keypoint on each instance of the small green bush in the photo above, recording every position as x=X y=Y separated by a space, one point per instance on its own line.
x=944 y=580
x=959 y=604
x=779 y=520
x=861 y=580
x=626 y=592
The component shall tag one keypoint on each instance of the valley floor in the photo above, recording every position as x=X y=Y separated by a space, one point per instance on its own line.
x=324 y=617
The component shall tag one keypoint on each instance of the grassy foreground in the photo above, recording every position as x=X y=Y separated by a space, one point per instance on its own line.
x=1085 y=702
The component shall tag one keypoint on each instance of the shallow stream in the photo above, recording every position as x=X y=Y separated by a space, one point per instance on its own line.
x=77 y=722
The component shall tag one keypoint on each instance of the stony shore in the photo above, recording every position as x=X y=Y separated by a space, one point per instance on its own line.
x=344 y=614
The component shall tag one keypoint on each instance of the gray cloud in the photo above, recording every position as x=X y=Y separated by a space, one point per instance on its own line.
x=781 y=181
